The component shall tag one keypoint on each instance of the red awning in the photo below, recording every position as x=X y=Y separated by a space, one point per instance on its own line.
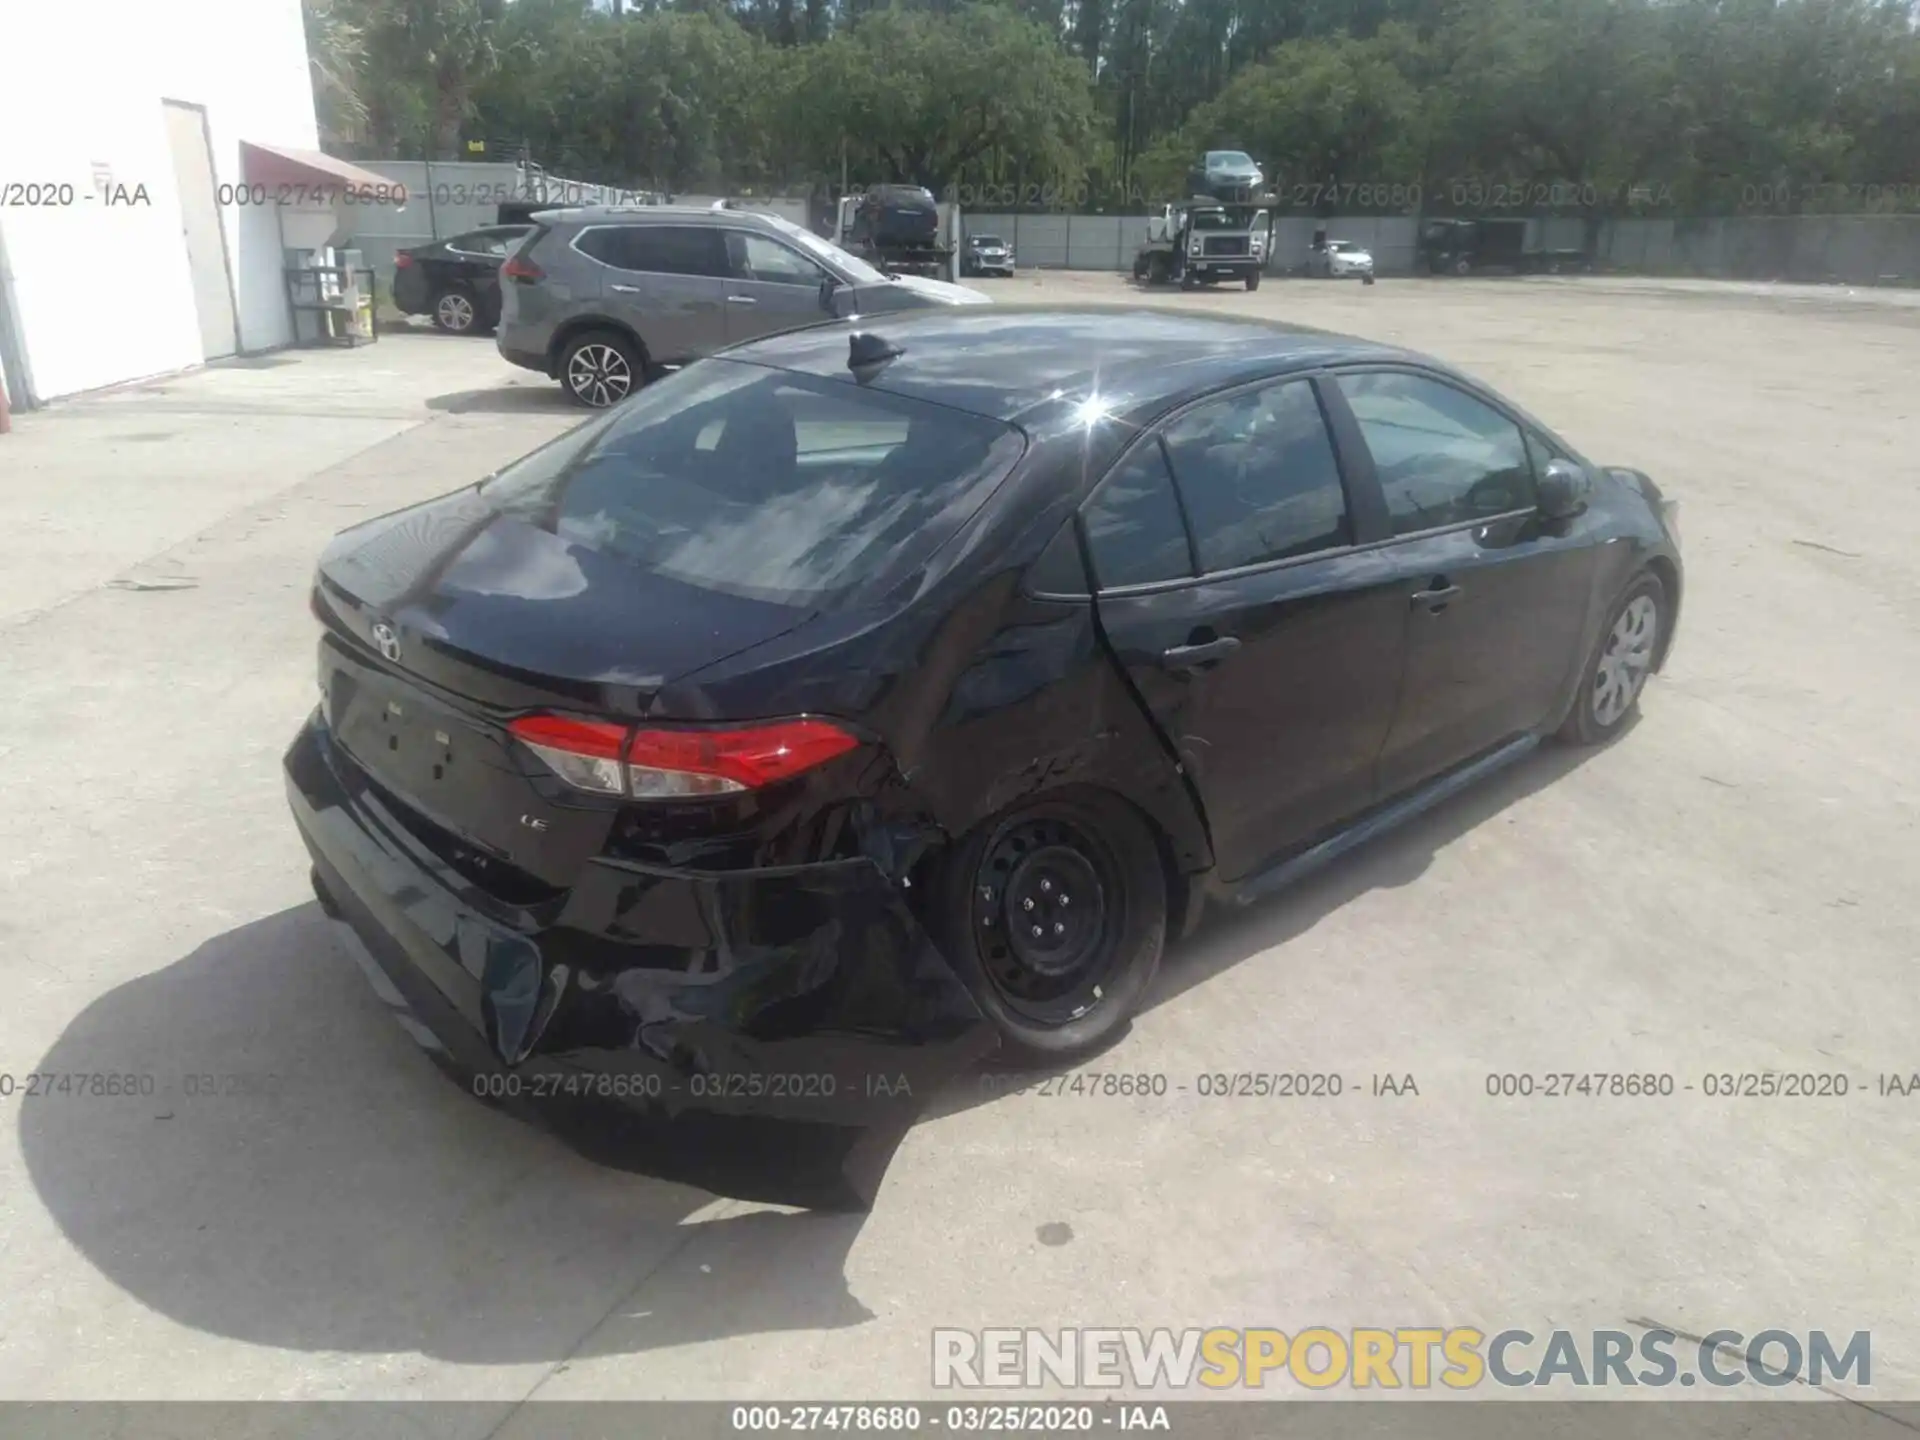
x=311 y=169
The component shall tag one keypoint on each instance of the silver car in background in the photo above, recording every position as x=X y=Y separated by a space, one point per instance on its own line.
x=1341 y=260
x=601 y=298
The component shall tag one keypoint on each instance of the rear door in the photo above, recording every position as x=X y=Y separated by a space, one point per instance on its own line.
x=1495 y=595
x=667 y=282
x=773 y=286
x=1265 y=642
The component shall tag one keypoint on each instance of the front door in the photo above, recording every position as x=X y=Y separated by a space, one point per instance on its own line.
x=201 y=232
x=773 y=286
x=1267 y=647
x=1495 y=594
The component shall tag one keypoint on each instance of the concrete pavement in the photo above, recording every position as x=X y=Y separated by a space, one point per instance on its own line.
x=1728 y=889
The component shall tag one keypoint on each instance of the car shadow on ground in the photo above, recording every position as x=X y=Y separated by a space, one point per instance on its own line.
x=534 y=398
x=1228 y=935
x=363 y=1203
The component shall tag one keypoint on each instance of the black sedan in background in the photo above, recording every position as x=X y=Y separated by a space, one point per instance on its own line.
x=718 y=780
x=456 y=281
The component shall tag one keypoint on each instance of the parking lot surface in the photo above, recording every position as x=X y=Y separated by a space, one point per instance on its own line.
x=1728 y=889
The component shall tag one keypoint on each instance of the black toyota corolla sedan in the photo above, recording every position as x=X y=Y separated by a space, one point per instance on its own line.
x=716 y=781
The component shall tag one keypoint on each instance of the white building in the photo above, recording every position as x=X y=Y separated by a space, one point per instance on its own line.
x=139 y=232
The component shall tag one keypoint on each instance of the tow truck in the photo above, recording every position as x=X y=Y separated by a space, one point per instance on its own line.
x=895 y=229
x=1203 y=241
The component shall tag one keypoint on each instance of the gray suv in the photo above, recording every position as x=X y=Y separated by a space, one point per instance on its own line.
x=600 y=298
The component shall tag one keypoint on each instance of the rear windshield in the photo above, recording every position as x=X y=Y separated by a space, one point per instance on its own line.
x=765 y=484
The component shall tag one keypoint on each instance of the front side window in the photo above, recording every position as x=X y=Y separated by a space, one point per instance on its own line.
x=763 y=484
x=1543 y=452
x=850 y=267
x=755 y=257
x=1443 y=457
x=1257 y=473
x=1134 y=530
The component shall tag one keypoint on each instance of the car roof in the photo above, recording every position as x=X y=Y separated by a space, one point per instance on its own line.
x=1017 y=363
x=655 y=214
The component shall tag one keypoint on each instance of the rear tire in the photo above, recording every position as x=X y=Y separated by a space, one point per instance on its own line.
x=1080 y=867
x=1463 y=266
x=600 y=368
x=456 y=312
x=1616 y=672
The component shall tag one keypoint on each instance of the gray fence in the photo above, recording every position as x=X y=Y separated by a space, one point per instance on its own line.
x=1848 y=249
x=443 y=199
x=448 y=198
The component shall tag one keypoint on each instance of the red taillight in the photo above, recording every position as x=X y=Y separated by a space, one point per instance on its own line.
x=679 y=764
x=662 y=764
x=522 y=269
x=402 y=260
x=584 y=753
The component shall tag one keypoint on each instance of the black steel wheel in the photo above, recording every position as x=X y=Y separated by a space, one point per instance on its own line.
x=1055 y=915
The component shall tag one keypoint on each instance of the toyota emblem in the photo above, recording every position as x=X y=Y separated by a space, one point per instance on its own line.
x=388 y=642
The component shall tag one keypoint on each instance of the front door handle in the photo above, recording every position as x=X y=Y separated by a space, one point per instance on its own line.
x=624 y=289
x=741 y=300
x=1188 y=657
x=1435 y=596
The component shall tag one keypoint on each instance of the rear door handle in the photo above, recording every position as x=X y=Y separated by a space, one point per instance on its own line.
x=1435 y=597
x=1187 y=657
x=624 y=289
x=741 y=300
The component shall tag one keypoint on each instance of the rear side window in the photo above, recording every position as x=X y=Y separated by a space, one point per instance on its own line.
x=1133 y=524
x=658 y=249
x=1257 y=473
x=485 y=242
x=764 y=484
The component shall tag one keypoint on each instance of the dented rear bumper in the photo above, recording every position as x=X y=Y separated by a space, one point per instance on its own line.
x=766 y=1034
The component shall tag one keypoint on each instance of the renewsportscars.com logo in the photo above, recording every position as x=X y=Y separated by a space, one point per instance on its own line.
x=1460 y=1358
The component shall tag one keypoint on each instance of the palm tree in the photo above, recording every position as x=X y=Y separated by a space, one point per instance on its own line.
x=336 y=52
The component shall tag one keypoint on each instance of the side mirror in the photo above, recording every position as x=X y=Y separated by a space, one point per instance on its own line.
x=829 y=287
x=1565 y=490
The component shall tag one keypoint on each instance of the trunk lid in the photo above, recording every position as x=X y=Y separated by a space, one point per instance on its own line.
x=447 y=620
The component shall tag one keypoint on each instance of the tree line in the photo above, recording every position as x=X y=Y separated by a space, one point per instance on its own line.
x=1575 y=106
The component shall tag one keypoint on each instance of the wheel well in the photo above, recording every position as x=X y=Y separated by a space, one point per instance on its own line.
x=1668 y=575
x=573 y=329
